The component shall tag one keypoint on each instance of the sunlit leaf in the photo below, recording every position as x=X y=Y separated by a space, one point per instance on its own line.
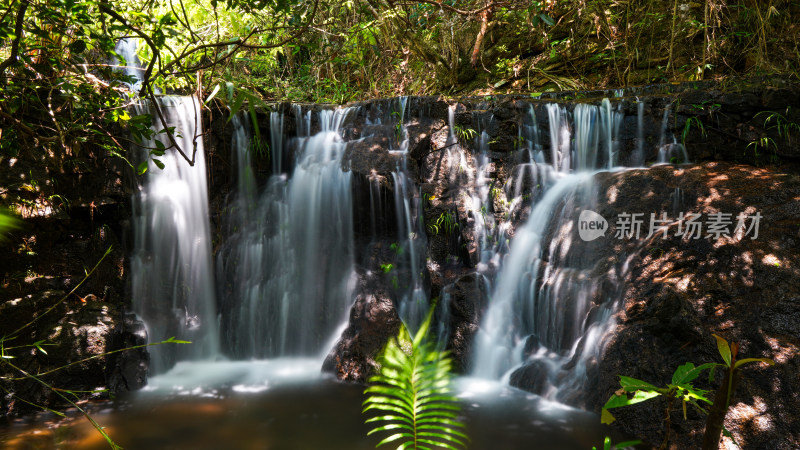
x=606 y=417
x=749 y=360
x=724 y=349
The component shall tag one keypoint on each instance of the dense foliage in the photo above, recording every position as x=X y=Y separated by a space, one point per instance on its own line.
x=60 y=95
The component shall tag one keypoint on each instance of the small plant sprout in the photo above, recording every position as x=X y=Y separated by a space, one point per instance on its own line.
x=607 y=445
x=682 y=388
x=464 y=134
x=446 y=222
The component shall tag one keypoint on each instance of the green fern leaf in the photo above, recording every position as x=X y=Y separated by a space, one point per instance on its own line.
x=413 y=391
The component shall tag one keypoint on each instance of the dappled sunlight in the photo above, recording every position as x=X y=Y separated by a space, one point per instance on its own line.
x=782 y=352
x=612 y=194
x=744 y=415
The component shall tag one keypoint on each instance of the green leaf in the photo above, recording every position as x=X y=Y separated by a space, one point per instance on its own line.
x=606 y=417
x=547 y=19
x=724 y=349
x=617 y=401
x=159 y=163
x=8 y=222
x=632 y=384
x=78 y=46
x=254 y=120
x=627 y=443
x=172 y=340
x=697 y=394
x=213 y=93
x=688 y=372
x=749 y=360
x=727 y=433
x=237 y=104
x=412 y=388
x=38 y=345
x=142 y=168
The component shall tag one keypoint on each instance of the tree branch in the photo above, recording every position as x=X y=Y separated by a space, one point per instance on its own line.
x=26 y=129
x=12 y=57
x=462 y=12
x=239 y=43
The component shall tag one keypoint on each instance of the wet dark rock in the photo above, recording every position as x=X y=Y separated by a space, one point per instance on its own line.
x=464 y=304
x=370 y=158
x=373 y=321
x=84 y=211
x=532 y=377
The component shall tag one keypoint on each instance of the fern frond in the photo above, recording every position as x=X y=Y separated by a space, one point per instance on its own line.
x=413 y=391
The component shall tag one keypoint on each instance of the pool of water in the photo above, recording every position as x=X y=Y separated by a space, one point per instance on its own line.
x=286 y=404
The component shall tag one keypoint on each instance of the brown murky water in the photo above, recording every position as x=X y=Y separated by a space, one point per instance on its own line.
x=305 y=414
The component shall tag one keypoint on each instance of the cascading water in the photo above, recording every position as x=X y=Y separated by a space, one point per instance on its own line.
x=545 y=288
x=276 y=139
x=287 y=263
x=127 y=49
x=172 y=278
x=638 y=156
x=410 y=247
x=516 y=287
x=670 y=152
x=559 y=137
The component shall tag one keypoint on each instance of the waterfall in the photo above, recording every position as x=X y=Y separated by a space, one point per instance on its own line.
x=276 y=139
x=411 y=245
x=302 y=127
x=638 y=156
x=559 y=137
x=502 y=329
x=539 y=312
x=586 y=136
x=286 y=266
x=127 y=49
x=285 y=269
x=172 y=278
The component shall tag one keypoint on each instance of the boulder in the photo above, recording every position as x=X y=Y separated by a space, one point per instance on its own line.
x=373 y=321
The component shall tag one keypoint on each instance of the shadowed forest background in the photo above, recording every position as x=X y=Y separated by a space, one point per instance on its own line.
x=59 y=87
